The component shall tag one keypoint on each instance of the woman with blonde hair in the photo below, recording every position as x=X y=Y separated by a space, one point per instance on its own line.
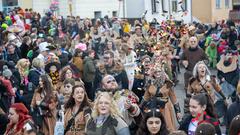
x=23 y=83
x=36 y=70
x=106 y=118
x=23 y=66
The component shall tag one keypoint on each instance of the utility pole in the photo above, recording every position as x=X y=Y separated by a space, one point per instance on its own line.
x=124 y=8
x=70 y=7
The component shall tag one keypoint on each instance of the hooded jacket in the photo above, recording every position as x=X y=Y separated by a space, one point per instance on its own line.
x=89 y=70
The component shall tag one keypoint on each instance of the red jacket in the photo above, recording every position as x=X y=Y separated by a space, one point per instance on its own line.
x=8 y=85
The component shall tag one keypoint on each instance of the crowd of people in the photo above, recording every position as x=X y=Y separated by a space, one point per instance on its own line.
x=77 y=76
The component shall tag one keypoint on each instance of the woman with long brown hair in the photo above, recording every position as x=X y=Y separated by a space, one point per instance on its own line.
x=45 y=102
x=77 y=111
x=67 y=73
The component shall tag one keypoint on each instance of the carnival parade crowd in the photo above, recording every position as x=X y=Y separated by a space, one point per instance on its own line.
x=109 y=76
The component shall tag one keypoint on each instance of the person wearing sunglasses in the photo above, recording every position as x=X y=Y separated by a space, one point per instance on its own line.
x=113 y=67
x=153 y=123
x=160 y=94
x=126 y=101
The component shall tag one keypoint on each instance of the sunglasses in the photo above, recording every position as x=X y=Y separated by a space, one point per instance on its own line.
x=106 y=58
x=67 y=86
x=110 y=81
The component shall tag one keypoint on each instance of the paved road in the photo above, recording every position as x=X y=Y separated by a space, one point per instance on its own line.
x=181 y=93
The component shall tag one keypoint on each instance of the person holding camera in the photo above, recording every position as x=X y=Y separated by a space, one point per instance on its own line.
x=126 y=101
x=160 y=94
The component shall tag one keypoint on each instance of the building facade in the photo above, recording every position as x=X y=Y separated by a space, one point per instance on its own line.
x=165 y=9
x=6 y=5
x=209 y=11
x=235 y=13
x=159 y=9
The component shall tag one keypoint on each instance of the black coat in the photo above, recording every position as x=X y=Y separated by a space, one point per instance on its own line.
x=230 y=77
x=233 y=110
x=120 y=76
x=187 y=119
x=24 y=50
x=3 y=123
x=13 y=57
x=34 y=76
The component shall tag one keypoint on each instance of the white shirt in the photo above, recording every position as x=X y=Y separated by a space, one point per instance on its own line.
x=192 y=127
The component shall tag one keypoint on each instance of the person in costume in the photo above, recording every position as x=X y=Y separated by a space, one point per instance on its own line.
x=211 y=52
x=141 y=73
x=158 y=85
x=190 y=57
x=126 y=101
x=202 y=82
x=129 y=62
x=52 y=68
x=228 y=70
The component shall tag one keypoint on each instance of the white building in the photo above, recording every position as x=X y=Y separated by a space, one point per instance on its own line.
x=163 y=9
x=159 y=9
x=100 y=8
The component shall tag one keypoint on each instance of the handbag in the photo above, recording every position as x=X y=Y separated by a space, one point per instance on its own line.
x=59 y=127
x=70 y=122
x=227 y=89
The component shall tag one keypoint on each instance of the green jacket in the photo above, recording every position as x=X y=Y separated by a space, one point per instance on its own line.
x=89 y=69
x=211 y=52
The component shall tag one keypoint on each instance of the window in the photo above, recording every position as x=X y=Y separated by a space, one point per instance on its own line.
x=154 y=6
x=10 y=2
x=218 y=4
x=9 y=5
x=163 y=7
x=174 y=6
x=226 y=3
x=184 y=5
x=97 y=14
